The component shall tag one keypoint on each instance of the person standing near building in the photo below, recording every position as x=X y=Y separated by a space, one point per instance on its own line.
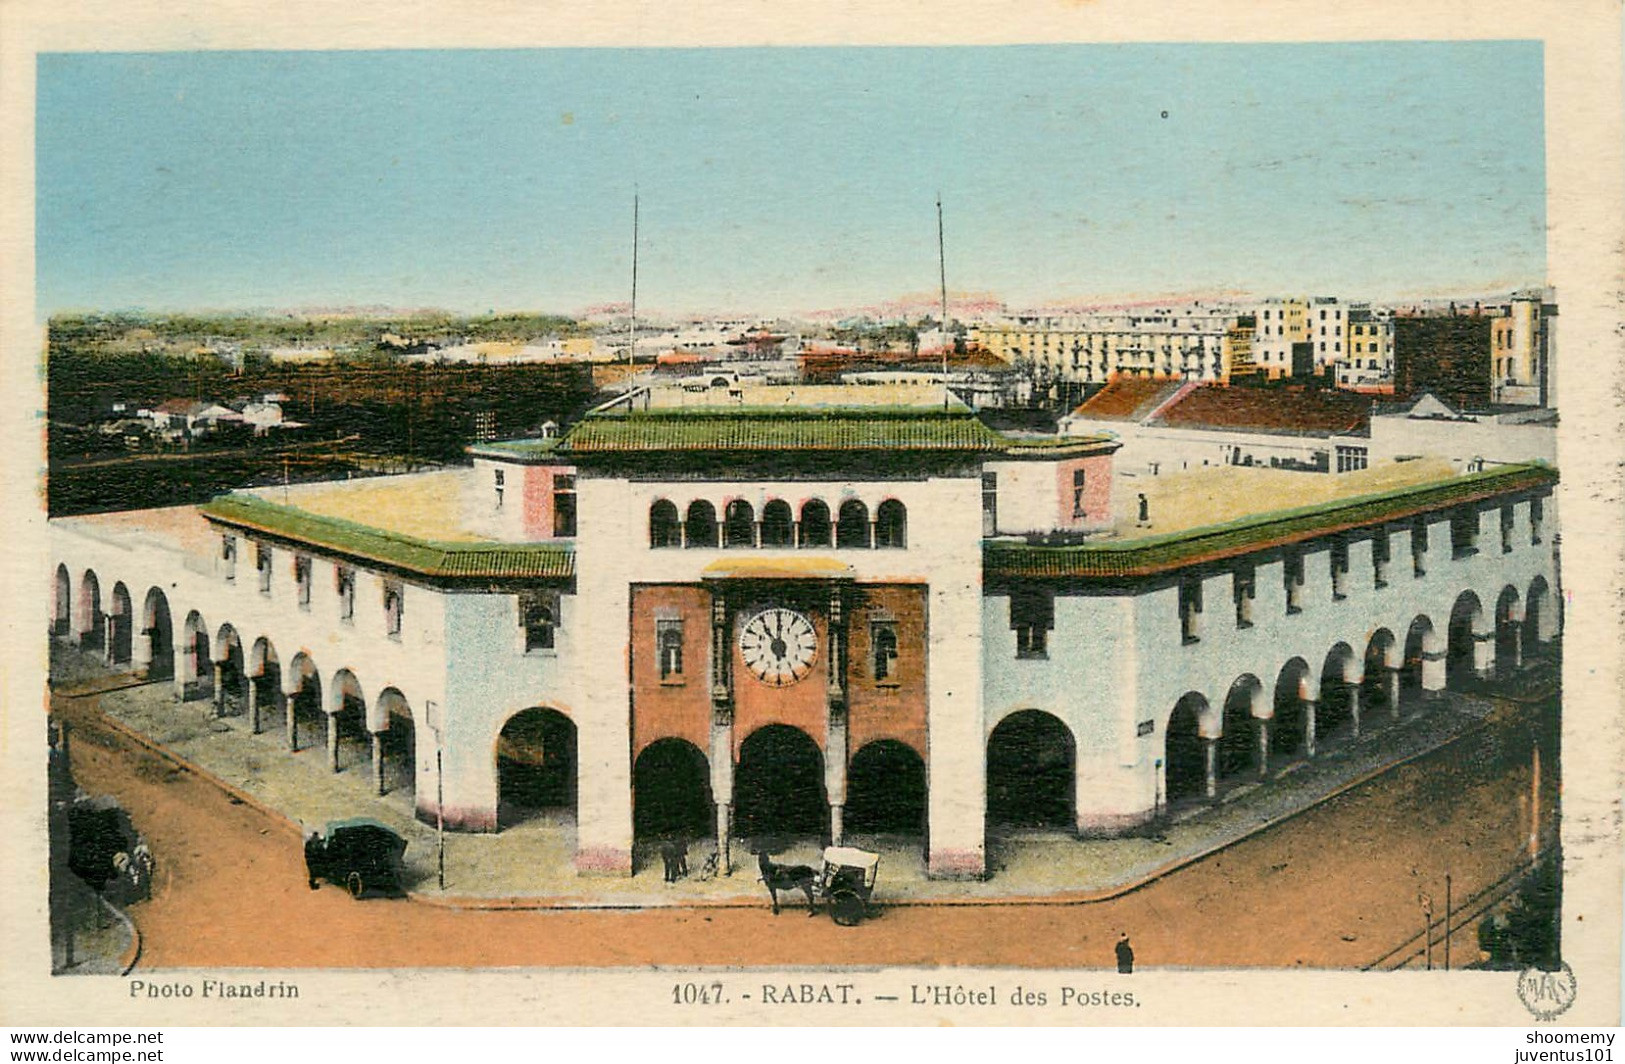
x=1125 y=955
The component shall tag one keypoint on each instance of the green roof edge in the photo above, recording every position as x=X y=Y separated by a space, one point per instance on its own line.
x=1174 y=550
x=433 y=558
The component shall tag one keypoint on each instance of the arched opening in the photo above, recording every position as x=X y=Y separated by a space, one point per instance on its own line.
x=1375 y=688
x=62 y=607
x=852 y=527
x=398 y=743
x=197 y=678
x=664 y=529
x=1031 y=772
x=265 y=673
x=160 y=635
x=1539 y=618
x=739 y=524
x=778 y=524
x=1334 y=716
x=1508 y=633
x=891 y=525
x=671 y=791
x=1419 y=639
x=536 y=766
x=233 y=695
x=779 y=786
x=885 y=790
x=349 y=710
x=815 y=523
x=1184 y=763
x=89 y=621
x=307 y=724
x=1289 y=732
x=701 y=524
x=120 y=627
x=1238 y=745
x=1466 y=618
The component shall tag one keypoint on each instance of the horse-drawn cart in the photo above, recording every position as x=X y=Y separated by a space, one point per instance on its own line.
x=847 y=882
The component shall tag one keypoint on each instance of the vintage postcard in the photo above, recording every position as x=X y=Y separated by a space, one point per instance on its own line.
x=1085 y=514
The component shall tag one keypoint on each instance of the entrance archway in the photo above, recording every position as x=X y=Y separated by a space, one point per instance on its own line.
x=885 y=789
x=779 y=786
x=1539 y=617
x=536 y=765
x=1375 y=689
x=1031 y=772
x=1339 y=680
x=1508 y=633
x=671 y=791
x=1290 y=732
x=197 y=664
x=397 y=742
x=1184 y=764
x=265 y=674
x=156 y=626
x=348 y=707
x=1466 y=621
x=232 y=697
x=305 y=716
x=1420 y=641
x=88 y=618
x=62 y=607
x=120 y=627
x=1238 y=743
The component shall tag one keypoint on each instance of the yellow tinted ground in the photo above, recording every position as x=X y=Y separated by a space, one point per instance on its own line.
x=425 y=505
x=1211 y=496
x=177 y=527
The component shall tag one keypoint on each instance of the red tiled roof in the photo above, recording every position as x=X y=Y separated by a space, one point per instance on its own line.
x=1127 y=399
x=1322 y=412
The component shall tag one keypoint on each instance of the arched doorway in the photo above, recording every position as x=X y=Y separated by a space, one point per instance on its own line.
x=232 y=697
x=348 y=708
x=815 y=523
x=1334 y=715
x=671 y=791
x=88 y=622
x=779 y=786
x=265 y=673
x=700 y=526
x=1376 y=690
x=738 y=524
x=120 y=627
x=1419 y=643
x=852 y=526
x=62 y=607
x=305 y=718
x=160 y=635
x=1238 y=744
x=1031 y=772
x=1289 y=734
x=536 y=766
x=1539 y=617
x=1508 y=633
x=397 y=743
x=1184 y=764
x=1466 y=620
x=885 y=790
x=778 y=525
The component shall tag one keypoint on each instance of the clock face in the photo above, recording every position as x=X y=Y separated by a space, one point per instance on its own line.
x=779 y=646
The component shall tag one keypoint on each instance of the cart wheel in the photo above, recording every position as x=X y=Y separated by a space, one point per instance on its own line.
x=353 y=881
x=846 y=908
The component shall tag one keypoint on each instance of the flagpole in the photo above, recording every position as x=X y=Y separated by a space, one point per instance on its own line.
x=942 y=276
x=632 y=318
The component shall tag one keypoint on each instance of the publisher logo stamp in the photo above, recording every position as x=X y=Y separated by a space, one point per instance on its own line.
x=1547 y=995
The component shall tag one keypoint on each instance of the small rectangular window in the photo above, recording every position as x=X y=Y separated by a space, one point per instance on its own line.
x=1244 y=589
x=539 y=615
x=1463 y=533
x=393 y=610
x=1419 y=548
x=1190 y=609
x=564 y=505
x=1032 y=615
x=1379 y=560
x=1537 y=517
x=301 y=580
x=1340 y=568
x=1292 y=578
x=344 y=581
x=228 y=556
x=669 y=649
x=262 y=562
x=1078 y=492
x=1506 y=529
x=883 y=651
x=990 y=503
x=500 y=479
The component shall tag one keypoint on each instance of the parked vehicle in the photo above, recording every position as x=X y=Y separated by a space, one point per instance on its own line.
x=847 y=883
x=361 y=854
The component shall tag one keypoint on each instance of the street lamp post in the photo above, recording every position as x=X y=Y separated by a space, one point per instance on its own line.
x=436 y=725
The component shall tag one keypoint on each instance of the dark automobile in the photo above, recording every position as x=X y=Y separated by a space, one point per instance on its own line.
x=363 y=855
x=98 y=831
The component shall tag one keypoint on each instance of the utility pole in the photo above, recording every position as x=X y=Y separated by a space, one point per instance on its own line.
x=632 y=318
x=942 y=277
x=1447 y=921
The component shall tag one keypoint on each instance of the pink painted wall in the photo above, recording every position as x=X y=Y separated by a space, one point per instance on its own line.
x=1097 y=492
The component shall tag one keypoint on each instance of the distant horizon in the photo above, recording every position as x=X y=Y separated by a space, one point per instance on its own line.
x=473 y=182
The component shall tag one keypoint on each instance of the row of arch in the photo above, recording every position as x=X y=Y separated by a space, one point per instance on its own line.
x=779 y=525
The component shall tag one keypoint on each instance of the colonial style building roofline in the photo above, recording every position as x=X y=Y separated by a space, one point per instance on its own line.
x=1153 y=555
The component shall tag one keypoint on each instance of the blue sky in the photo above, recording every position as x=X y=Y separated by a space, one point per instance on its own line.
x=784 y=179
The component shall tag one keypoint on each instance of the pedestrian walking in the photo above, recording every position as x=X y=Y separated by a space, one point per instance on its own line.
x=1125 y=955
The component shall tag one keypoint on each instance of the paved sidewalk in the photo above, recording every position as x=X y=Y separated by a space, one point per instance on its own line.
x=530 y=864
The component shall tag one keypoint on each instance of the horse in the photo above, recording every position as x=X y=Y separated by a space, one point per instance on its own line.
x=787 y=877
